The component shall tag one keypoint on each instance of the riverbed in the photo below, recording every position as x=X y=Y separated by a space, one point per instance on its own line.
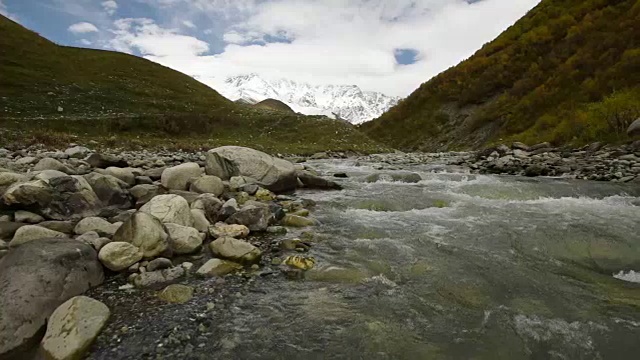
x=454 y=266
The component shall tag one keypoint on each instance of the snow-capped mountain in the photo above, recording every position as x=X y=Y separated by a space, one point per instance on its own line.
x=346 y=102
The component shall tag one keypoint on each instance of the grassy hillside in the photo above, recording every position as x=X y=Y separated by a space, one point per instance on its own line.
x=122 y=99
x=273 y=104
x=568 y=73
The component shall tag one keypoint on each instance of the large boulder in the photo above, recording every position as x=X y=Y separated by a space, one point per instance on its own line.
x=72 y=328
x=77 y=152
x=634 y=128
x=145 y=232
x=184 y=239
x=275 y=174
x=124 y=174
x=256 y=218
x=235 y=250
x=119 y=255
x=217 y=267
x=33 y=232
x=144 y=192
x=110 y=190
x=221 y=167
x=35 y=278
x=169 y=209
x=177 y=177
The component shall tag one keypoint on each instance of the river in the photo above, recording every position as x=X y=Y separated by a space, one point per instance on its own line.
x=455 y=266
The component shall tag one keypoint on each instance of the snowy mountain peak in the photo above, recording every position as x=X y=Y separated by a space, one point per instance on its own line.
x=347 y=102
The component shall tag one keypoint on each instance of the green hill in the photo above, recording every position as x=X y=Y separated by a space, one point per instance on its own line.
x=273 y=104
x=568 y=73
x=55 y=94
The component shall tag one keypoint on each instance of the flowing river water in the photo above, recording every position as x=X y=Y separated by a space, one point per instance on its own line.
x=455 y=266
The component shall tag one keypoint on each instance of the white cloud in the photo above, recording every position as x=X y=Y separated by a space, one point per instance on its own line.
x=5 y=12
x=189 y=24
x=145 y=36
x=345 y=41
x=110 y=6
x=83 y=28
x=85 y=42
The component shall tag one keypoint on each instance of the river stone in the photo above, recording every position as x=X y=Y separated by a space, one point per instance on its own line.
x=316 y=182
x=176 y=294
x=256 y=218
x=225 y=230
x=9 y=178
x=146 y=232
x=183 y=239
x=297 y=221
x=275 y=174
x=28 y=217
x=219 y=166
x=200 y=221
x=208 y=184
x=159 y=264
x=105 y=160
x=177 y=177
x=52 y=164
x=234 y=249
x=99 y=225
x=72 y=328
x=634 y=128
x=158 y=277
x=33 y=232
x=169 y=209
x=110 y=190
x=27 y=160
x=119 y=255
x=229 y=208
x=123 y=174
x=217 y=267
x=35 y=279
x=187 y=195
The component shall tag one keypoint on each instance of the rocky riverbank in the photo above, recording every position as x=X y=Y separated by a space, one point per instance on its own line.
x=72 y=220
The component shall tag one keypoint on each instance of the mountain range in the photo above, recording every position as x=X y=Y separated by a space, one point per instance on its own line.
x=347 y=102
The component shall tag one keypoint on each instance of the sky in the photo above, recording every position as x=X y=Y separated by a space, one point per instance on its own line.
x=390 y=46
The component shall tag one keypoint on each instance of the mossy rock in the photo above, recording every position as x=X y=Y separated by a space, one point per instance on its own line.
x=176 y=294
x=300 y=262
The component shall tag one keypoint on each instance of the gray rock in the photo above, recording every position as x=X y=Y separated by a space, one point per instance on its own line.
x=275 y=174
x=520 y=146
x=176 y=294
x=634 y=128
x=229 y=208
x=209 y=204
x=29 y=293
x=48 y=175
x=28 y=217
x=154 y=174
x=178 y=177
x=143 y=180
x=217 y=267
x=158 y=278
x=73 y=326
x=159 y=264
x=254 y=217
x=33 y=232
x=8 y=229
x=208 y=184
x=9 y=178
x=145 y=192
x=27 y=160
x=146 y=232
x=99 y=225
x=187 y=195
x=235 y=250
x=118 y=255
x=183 y=239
